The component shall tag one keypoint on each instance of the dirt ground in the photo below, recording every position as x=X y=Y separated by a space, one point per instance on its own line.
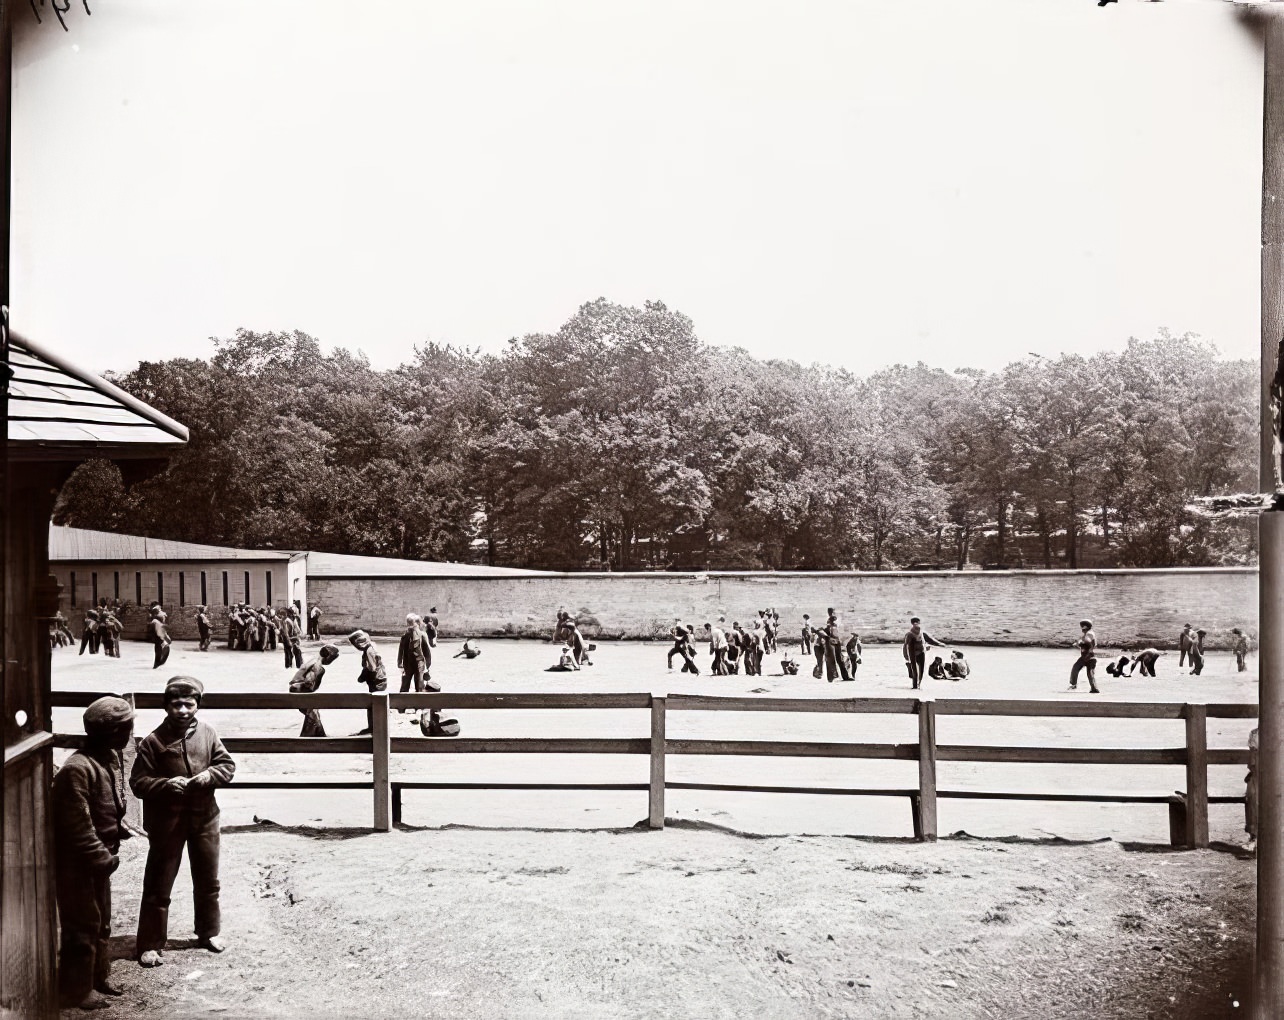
x=555 y=905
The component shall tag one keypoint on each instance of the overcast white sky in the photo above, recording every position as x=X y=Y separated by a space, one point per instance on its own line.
x=851 y=182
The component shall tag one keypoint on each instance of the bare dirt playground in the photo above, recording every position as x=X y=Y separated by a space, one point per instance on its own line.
x=498 y=904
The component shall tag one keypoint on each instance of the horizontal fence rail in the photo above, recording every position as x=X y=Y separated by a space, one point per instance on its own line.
x=1188 y=810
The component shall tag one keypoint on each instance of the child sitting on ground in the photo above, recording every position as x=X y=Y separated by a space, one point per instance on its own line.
x=937 y=669
x=789 y=665
x=565 y=664
x=957 y=668
x=469 y=651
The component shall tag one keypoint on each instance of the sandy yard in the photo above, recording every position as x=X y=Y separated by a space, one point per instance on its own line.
x=554 y=905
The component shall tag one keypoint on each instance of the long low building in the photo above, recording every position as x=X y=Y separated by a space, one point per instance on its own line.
x=136 y=571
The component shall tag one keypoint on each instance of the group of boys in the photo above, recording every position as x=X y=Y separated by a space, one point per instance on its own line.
x=176 y=771
x=834 y=657
x=101 y=629
x=252 y=629
x=1190 y=647
x=733 y=648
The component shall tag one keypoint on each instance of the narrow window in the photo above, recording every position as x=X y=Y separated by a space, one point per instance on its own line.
x=205 y=598
x=247 y=587
x=225 y=602
x=115 y=585
x=267 y=580
x=160 y=587
x=73 y=589
x=138 y=588
x=182 y=588
x=93 y=587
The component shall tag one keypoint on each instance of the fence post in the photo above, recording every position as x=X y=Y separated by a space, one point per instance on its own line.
x=655 y=817
x=925 y=824
x=1196 y=776
x=382 y=752
x=133 y=806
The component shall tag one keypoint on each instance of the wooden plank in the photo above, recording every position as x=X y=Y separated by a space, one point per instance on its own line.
x=294 y=702
x=299 y=745
x=26 y=747
x=1196 y=776
x=863 y=706
x=1084 y=798
x=46 y=900
x=834 y=790
x=465 y=700
x=795 y=749
x=1064 y=709
x=415 y=784
x=926 y=827
x=379 y=767
x=299 y=783
x=1063 y=755
x=655 y=801
x=519 y=745
x=1232 y=711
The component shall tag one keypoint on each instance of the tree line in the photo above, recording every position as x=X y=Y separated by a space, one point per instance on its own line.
x=623 y=442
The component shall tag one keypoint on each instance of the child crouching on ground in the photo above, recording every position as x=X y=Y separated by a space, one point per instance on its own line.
x=565 y=664
x=179 y=765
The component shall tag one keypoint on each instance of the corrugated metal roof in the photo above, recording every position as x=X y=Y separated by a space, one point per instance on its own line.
x=322 y=564
x=53 y=402
x=75 y=544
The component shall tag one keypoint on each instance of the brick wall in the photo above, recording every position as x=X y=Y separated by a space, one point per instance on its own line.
x=970 y=607
x=177 y=586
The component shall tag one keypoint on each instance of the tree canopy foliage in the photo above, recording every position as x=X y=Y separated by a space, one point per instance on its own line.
x=621 y=441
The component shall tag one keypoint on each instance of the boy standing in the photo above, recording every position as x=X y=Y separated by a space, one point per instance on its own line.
x=914 y=649
x=88 y=806
x=1087 y=645
x=203 y=628
x=372 y=674
x=178 y=768
x=1240 y=647
x=159 y=637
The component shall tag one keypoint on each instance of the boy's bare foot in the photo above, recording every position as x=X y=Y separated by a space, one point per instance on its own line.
x=151 y=958
x=215 y=943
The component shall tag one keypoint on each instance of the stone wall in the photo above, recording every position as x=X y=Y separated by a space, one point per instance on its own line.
x=971 y=607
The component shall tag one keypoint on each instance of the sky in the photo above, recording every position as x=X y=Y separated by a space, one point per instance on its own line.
x=856 y=183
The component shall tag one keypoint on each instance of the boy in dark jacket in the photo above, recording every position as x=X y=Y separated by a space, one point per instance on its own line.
x=372 y=674
x=414 y=656
x=158 y=636
x=306 y=681
x=290 y=640
x=203 y=628
x=179 y=765
x=88 y=806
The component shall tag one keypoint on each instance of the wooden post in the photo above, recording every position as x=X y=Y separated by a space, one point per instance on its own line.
x=925 y=830
x=1268 y=963
x=656 y=813
x=382 y=753
x=1196 y=776
x=133 y=806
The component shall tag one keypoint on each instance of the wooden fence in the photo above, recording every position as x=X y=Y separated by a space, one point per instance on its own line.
x=1188 y=810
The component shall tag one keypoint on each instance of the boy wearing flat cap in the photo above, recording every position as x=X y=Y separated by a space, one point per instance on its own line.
x=373 y=674
x=89 y=823
x=179 y=765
